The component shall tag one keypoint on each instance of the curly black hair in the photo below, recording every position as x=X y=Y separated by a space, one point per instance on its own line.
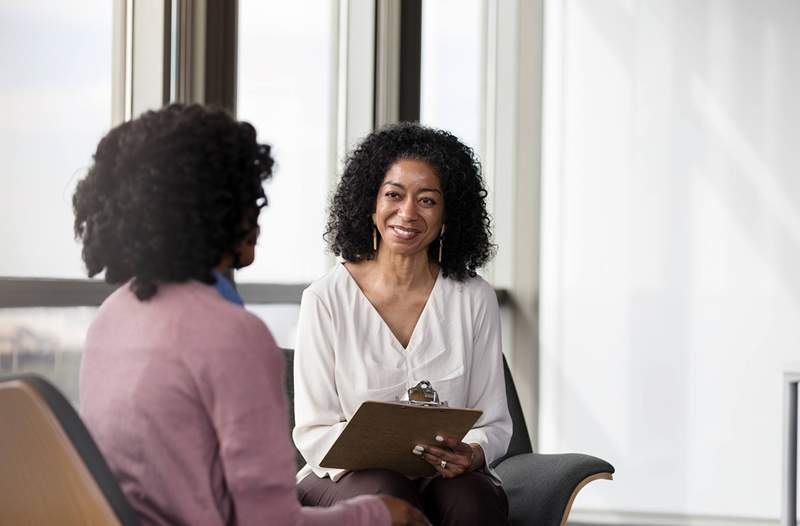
x=170 y=193
x=467 y=242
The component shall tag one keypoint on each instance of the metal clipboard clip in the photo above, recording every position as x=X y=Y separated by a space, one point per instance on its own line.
x=424 y=394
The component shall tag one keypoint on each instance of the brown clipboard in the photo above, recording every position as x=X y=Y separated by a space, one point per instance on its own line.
x=383 y=434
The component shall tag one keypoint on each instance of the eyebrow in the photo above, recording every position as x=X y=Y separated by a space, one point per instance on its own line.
x=392 y=183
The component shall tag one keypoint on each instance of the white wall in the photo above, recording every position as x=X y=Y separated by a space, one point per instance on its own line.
x=671 y=248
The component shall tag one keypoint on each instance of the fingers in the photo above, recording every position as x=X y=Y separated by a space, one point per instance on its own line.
x=447 y=463
x=417 y=518
x=436 y=455
x=451 y=442
x=474 y=452
x=445 y=468
x=402 y=513
x=450 y=457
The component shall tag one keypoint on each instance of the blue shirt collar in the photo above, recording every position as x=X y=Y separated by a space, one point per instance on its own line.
x=226 y=288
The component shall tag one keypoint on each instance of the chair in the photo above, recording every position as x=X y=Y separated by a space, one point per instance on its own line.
x=52 y=471
x=540 y=488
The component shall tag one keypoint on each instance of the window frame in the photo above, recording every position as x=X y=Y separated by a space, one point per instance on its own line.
x=185 y=51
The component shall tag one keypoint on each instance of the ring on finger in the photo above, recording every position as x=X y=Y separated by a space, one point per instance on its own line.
x=443 y=463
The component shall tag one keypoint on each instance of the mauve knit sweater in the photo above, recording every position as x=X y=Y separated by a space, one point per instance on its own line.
x=184 y=395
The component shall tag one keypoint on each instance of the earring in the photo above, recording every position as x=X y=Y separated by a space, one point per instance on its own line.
x=441 y=242
x=374 y=238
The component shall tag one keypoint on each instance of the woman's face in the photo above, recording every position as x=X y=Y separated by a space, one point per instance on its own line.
x=409 y=209
x=246 y=249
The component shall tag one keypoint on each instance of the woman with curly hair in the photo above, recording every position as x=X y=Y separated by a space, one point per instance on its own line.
x=181 y=387
x=409 y=220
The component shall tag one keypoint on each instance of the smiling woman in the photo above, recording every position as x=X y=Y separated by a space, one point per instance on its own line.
x=409 y=219
x=467 y=244
x=409 y=211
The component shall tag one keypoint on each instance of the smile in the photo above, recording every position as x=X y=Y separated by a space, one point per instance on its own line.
x=403 y=233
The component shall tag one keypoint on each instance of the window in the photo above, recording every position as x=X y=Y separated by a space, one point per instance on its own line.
x=45 y=341
x=287 y=89
x=451 y=68
x=55 y=98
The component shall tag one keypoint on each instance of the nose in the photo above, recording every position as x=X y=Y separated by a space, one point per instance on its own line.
x=408 y=210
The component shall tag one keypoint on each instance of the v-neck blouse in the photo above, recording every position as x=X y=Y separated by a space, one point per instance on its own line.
x=346 y=354
x=369 y=307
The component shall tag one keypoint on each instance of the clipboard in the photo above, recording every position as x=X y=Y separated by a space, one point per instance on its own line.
x=382 y=435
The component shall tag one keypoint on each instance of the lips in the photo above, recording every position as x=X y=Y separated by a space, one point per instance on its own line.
x=403 y=233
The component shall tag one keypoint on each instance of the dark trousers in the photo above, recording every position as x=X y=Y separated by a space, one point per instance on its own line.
x=471 y=498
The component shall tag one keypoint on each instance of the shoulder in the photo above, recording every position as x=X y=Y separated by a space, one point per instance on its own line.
x=228 y=319
x=201 y=309
x=475 y=290
x=222 y=337
x=332 y=285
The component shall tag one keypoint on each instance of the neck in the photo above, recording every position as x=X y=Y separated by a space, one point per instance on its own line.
x=405 y=272
x=224 y=265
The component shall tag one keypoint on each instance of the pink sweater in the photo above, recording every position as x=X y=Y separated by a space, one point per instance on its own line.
x=184 y=395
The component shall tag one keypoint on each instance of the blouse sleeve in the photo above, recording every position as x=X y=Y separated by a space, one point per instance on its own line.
x=319 y=418
x=487 y=387
x=243 y=394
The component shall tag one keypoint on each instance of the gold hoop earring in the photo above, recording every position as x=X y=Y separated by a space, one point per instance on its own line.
x=374 y=238
x=441 y=242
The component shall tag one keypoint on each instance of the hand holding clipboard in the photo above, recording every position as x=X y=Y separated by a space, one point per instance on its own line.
x=384 y=434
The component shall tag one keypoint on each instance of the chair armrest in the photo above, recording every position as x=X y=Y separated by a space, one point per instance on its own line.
x=541 y=488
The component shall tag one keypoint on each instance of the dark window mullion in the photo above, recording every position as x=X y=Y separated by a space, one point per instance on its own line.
x=410 y=59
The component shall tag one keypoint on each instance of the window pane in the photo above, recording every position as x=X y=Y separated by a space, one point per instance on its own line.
x=55 y=99
x=45 y=341
x=281 y=319
x=49 y=340
x=286 y=89
x=450 y=83
x=452 y=78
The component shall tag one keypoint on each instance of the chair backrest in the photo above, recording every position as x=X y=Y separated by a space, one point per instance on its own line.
x=289 y=389
x=520 y=442
x=52 y=471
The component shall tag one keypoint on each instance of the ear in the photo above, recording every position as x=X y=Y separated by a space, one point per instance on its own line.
x=373 y=217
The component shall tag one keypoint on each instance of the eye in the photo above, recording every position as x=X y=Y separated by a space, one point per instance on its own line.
x=428 y=201
x=391 y=194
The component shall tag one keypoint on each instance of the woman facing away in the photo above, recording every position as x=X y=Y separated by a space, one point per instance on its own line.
x=409 y=220
x=180 y=386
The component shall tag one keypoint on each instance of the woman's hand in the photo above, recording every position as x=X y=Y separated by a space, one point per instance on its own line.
x=403 y=513
x=452 y=457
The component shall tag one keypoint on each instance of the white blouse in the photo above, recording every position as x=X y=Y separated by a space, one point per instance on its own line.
x=346 y=354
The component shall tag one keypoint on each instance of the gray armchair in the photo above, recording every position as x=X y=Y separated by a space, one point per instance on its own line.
x=540 y=488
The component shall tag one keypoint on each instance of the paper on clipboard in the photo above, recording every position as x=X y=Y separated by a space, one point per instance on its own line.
x=382 y=435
